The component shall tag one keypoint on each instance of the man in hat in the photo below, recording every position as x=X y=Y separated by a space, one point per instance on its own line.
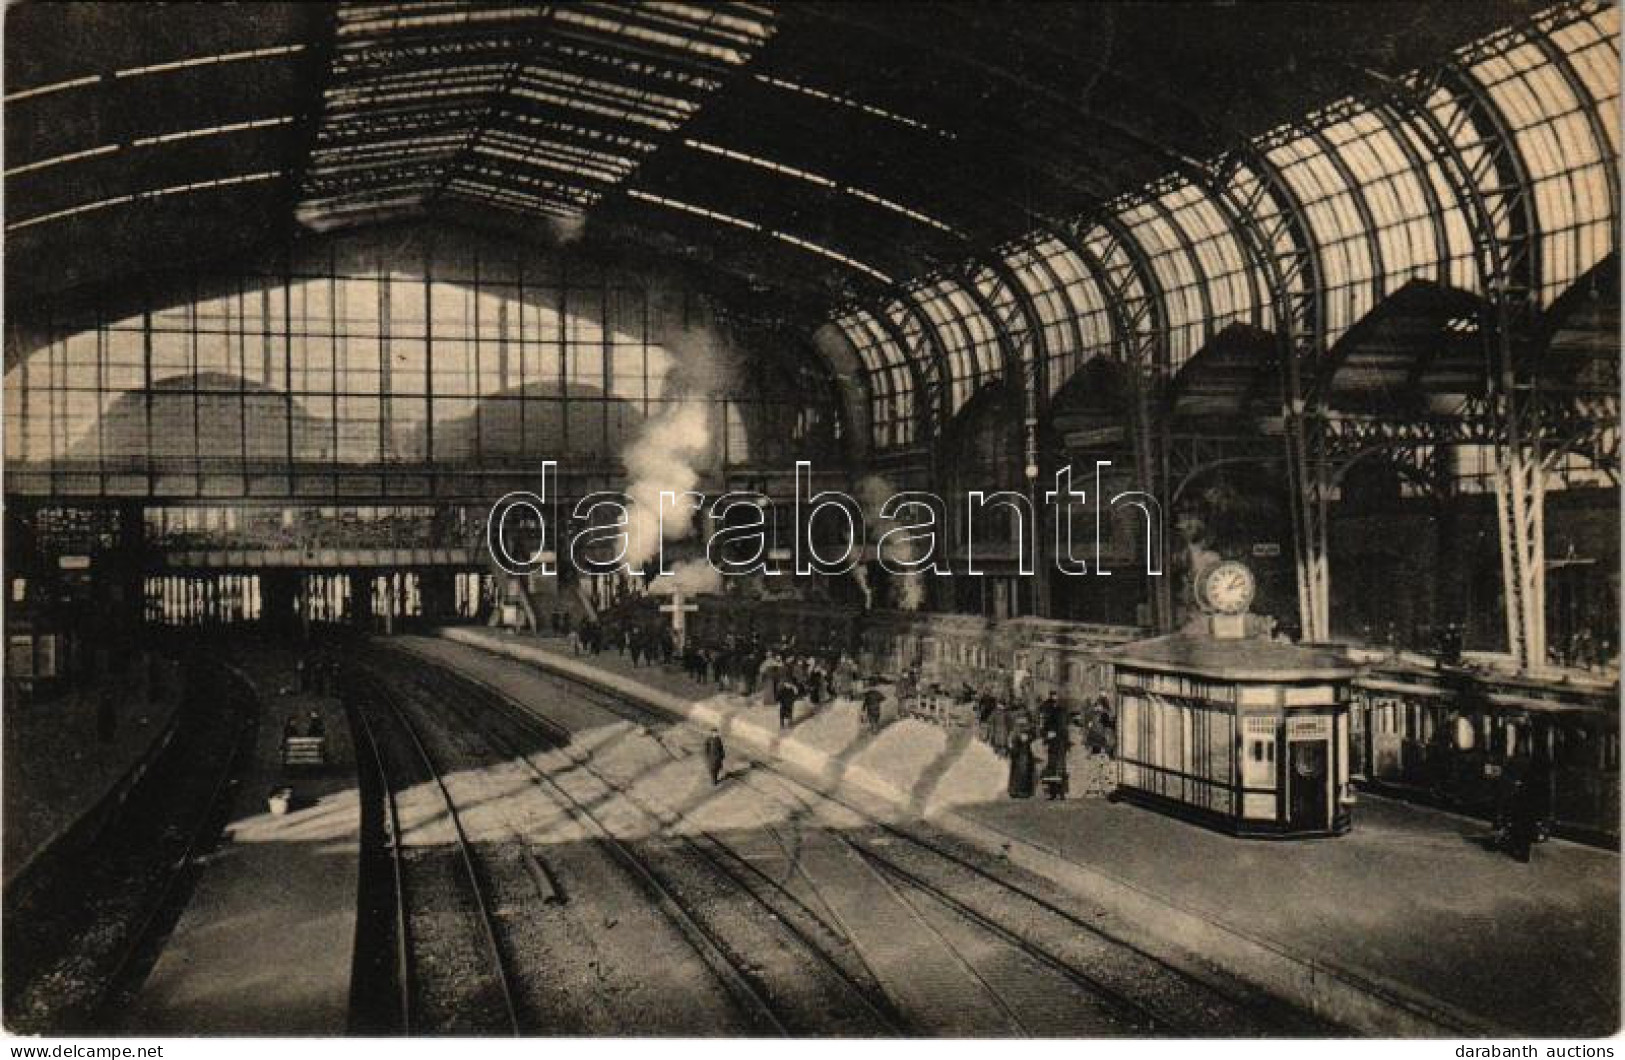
x=1023 y=767
x=715 y=753
x=787 y=702
x=872 y=699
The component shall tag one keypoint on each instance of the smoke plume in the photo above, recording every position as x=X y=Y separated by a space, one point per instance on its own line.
x=873 y=491
x=673 y=448
x=689 y=577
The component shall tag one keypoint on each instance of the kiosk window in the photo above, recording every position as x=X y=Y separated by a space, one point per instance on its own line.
x=1258 y=771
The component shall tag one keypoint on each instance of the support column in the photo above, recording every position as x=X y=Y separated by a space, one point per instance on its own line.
x=1280 y=245
x=360 y=598
x=437 y=588
x=1495 y=191
x=1136 y=304
x=279 y=603
x=1520 y=507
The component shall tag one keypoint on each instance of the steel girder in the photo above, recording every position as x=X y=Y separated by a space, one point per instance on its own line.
x=1362 y=206
x=1137 y=308
x=1492 y=185
x=1196 y=454
x=939 y=384
x=1027 y=365
x=1284 y=252
x=924 y=418
x=1593 y=112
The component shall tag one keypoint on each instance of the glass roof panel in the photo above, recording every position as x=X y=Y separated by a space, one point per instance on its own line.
x=1562 y=153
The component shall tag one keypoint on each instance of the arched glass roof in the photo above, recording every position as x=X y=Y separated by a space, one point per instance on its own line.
x=891 y=383
x=1368 y=192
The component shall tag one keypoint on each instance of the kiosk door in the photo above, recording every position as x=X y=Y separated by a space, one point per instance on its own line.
x=1308 y=803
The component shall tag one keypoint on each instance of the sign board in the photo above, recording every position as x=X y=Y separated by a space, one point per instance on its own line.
x=1266 y=549
x=1093 y=437
x=73 y=562
x=20 y=655
x=1308 y=727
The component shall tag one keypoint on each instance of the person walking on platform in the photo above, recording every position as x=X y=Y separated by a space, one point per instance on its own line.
x=1528 y=799
x=769 y=674
x=1052 y=717
x=998 y=729
x=907 y=687
x=1100 y=737
x=1056 y=777
x=1022 y=765
x=844 y=674
x=872 y=699
x=715 y=754
x=986 y=707
x=787 y=702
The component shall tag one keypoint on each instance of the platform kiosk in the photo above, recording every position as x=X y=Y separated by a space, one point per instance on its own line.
x=1246 y=735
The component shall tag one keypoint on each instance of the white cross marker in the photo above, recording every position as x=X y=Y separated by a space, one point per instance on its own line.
x=678 y=610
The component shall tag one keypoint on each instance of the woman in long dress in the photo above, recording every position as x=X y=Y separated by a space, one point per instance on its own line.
x=999 y=729
x=1022 y=765
x=771 y=670
x=1055 y=775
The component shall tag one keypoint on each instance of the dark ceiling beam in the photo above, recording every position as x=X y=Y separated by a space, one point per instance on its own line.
x=318 y=66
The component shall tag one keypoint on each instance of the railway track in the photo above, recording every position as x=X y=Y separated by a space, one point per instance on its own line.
x=669 y=883
x=450 y=971
x=948 y=896
x=94 y=951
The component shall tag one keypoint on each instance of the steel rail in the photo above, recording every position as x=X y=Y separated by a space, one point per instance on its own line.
x=391 y=703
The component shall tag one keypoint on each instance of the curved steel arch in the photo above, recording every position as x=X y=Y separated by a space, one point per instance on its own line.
x=939 y=398
x=1144 y=352
x=1419 y=166
x=1592 y=110
x=1009 y=348
x=925 y=420
x=910 y=296
x=1203 y=288
x=1154 y=298
x=1362 y=206
x=1493 y=192
x=1152 y=199
x=1030 y=371
x=1058 y=287
x=833 y=374
x=1024 y=386
x=1288 y=257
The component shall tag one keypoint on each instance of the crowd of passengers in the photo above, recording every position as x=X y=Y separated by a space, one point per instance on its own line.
x=788 y=670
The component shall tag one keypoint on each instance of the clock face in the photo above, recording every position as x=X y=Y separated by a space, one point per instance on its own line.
x=1228 y=587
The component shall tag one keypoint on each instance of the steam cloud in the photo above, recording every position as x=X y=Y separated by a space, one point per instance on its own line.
x=872 y=492
x=669 y=454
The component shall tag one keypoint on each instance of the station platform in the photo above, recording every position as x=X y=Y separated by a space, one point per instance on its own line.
x=1407 y=925
x=265 y=945
x=62 y=765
